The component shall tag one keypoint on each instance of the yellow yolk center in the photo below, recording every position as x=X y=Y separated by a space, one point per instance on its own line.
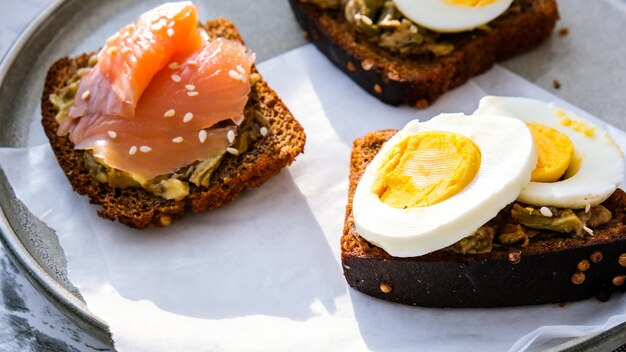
x=471 y=3
x=426 y=168
x=554 y=153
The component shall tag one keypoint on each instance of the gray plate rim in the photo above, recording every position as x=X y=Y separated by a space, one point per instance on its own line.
x=72 y=306
x=76 y=309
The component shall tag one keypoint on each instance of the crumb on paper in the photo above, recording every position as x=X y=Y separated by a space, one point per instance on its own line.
x=556 y=84
x=563 y=31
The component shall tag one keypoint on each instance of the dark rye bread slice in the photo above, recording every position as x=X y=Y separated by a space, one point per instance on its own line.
x=419 y=81
x=550 y=271
x=138 y=208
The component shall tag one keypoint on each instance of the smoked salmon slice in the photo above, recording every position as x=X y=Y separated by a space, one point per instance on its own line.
x=133 y=55
x=156 y=107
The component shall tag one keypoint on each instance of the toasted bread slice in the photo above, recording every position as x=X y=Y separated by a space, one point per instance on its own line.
x=548 y=271
x=419 y=81
x=139 y=208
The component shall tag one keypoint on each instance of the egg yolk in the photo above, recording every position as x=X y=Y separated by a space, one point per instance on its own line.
x=472 y=3
x=574 y=166
x=554 y=153
x=426 y=168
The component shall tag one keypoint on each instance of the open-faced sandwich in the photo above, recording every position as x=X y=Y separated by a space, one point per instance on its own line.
x=169 y=115
x=412 y=51
x=516 y=204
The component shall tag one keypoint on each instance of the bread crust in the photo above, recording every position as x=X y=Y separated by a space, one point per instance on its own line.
x=138 y=208
x=419 y=81
x=549 y=271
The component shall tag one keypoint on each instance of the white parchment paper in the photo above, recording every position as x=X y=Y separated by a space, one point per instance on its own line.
x=263 y=273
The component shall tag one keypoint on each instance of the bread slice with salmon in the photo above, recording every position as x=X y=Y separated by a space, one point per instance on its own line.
x=252 y=138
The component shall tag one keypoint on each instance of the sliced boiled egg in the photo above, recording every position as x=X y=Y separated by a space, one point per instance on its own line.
x=578 y=163
x=436 y=182
x=452 y=15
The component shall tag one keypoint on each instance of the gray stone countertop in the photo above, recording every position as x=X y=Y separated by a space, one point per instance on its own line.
x=592 y=79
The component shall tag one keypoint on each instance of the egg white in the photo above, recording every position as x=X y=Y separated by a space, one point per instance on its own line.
x=602 y=167
x=441 y=16
x=508 y=156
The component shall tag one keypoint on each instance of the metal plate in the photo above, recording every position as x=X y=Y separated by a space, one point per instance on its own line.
x=69 y=27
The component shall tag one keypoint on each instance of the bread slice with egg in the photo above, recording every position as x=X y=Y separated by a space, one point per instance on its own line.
x=139 y=208
x=548 y=271
x=419 y=80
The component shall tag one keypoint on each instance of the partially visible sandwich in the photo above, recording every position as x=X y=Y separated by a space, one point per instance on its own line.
x=169 y=116
x=475 y=232
x=411 y=52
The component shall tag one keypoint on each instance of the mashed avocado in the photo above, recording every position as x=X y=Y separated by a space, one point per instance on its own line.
x=381 y=23
x=518 y=225
x=171 y=186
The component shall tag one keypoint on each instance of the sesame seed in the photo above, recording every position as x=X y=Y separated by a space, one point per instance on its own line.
x=240 y=69
x=596 y=257
x=366 y=20
x=232 y=151
x=263 y=131
x=174 y=65
x=178 y=140
x=367 y=65
x=192 y=94
x=238 y=76
x=165 y=220
x=515 y=257
x=112 y=134
x=202 y=136
x=230 y=136
x=156 y=27
x=113 y=38
x=132 y=150
x=112 y=50
x=169 y=113
x=583 y=265
x=170 y=32
x=587 y=207
x=145 y=149
x=578 y=278
x=126 y=50
x=588 y=230
x=545 y=211
x=190 y=87
x=176 y=78
x=192 y=63
x=85 y=95
x=188 y=117
x=234 y=74
x=422 y=104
